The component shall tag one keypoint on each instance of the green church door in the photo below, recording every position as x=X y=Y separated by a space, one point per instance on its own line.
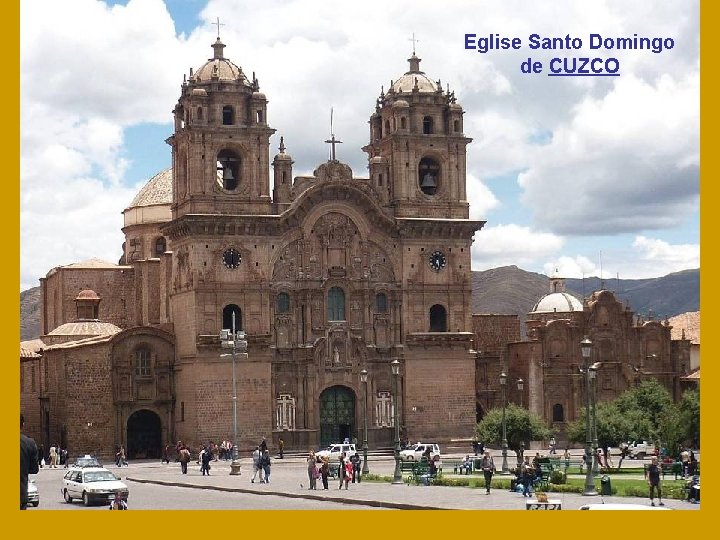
x=337 y=415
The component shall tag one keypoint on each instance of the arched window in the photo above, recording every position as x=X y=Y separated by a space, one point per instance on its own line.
x=428 y=175
x=558 y=413
x=199 y=113
x=336 y=304
x=427 y=125
x=283 y=303
x=142 y=362
x=387 y=127
x=380 y=179
x=228 y=169
x=402 y=122
x=160 y=245
x=228 y=312
x=228 y=116
x=438 y=318
x=381 y=302
x=259 y=116
x=456 y=125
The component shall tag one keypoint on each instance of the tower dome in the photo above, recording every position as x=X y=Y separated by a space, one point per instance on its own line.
x=560 y=302
x=414 y=79
x=219 y=68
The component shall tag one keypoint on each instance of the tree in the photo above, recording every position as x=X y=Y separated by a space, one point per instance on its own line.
x=613 y=425
x=522 y=427
x=651 y=397
x=689 y=411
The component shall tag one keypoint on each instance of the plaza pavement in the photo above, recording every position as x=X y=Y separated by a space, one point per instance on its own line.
x=289 y=479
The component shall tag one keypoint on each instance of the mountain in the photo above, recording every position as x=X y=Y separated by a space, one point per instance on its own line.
x=30 y=306
x=511 y=290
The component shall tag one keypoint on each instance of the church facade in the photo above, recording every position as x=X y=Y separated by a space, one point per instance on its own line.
x=329 y=276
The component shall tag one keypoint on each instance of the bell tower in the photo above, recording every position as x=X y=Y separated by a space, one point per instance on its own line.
x=417 y=148
x=220 y=147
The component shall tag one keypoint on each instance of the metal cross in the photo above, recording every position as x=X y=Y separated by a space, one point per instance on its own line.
x=219 y=24
x=413 y=41
x=332 y=140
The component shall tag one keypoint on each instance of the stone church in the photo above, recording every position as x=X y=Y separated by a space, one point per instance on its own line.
x=327 y=276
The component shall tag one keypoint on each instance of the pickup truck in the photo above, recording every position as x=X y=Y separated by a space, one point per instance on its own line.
x=640 y=449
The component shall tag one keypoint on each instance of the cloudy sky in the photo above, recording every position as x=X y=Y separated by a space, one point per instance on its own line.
x=573 y=172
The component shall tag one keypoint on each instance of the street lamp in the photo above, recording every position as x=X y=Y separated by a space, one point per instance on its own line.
x=231 y=339
x=520 y=386
x=397 y=477
x=505 y=470
x=586 y=349
x=593 y=398
x=363 y=379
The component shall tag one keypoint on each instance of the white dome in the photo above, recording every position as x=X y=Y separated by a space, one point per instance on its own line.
x=560 y=302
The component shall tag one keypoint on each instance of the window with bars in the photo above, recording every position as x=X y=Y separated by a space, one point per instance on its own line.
x=142 y=362
x=285 y=412
x=336 y=304
x=384 y=410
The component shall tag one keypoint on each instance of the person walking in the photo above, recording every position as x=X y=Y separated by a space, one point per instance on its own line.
x=205 y=457
x=166 y=454
x=528 y=474
x=28 y=463
x=263 y=446
x=653 y=477
x=184 y=458
x=488 y=468
x=118 y=503
x=53 y=456
x=356 y=462
x=281 y=447
x=552 y=445
x=257 y=468
x=121 y=457
x=341 y=470
x=325 y=471
x=312 y=470
x=265 y=462
x=348 y=472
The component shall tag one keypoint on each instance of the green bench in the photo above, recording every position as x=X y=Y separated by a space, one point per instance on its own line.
x=674 y=468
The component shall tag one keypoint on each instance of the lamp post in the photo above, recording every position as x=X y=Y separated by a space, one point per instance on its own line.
x=230 y=339
x=364 y=380
x=520 y=386
x=505 y=470
x=593 y=398
x=397 y=477
x=586 y=349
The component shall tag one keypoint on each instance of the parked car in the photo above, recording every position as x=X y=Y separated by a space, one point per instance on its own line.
x=86 y=461
x=92 y=485
x=640 y=449
x=416 y=451
x=33 y=493
x=334 y=450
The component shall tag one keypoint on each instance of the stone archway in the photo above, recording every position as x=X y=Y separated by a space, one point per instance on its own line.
x=337 y=415
x=144 y=435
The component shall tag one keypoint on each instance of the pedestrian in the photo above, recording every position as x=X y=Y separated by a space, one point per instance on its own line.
x=312 y=470
x=263 y=446
x=28 y=463
x=118 y=503
x=121 y=457
x=341 y=470
x=652 y=473
x=566 y=457
x=685 y=460
x=692 y=464
x=265 y=461
x=53 y=456
x=608 y=459
x=324 y=470
x=488 y=468
x=552 y=445
x=624 y=451
x=41 y=456
x=281 y=447
x=65 y=457
x=205 y=457
x=481 y=448
x=348 y=472
x=166 y=454
x=184 y=458
x=356 y=461
x=257 y=468
x=528 y=475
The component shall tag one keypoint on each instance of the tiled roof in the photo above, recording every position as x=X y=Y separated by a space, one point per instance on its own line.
x=690 y=322
x=86 y=328
x=91 y=263
x=158 y=190
x=30 y=348
x=80 y=342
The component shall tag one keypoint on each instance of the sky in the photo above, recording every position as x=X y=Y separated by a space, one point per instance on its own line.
x=595 y=175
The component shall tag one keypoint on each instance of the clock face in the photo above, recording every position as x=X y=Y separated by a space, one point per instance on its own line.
x=231 y=258
x=437 y=260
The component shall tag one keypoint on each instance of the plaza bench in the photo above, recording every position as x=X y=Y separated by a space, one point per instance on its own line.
x=674 y=468
x=458 y=468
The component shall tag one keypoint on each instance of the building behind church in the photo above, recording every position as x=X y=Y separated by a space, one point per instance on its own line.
x=329 y=275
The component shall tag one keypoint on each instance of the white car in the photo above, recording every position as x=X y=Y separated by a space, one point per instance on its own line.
x=33 y=493
x=334 y=451
x=416 y=451
x=92 y=485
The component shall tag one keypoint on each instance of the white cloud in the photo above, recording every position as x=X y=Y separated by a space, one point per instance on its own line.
x=503 y=245
x=667 y=257
x=90 y=71
x=571 y=267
